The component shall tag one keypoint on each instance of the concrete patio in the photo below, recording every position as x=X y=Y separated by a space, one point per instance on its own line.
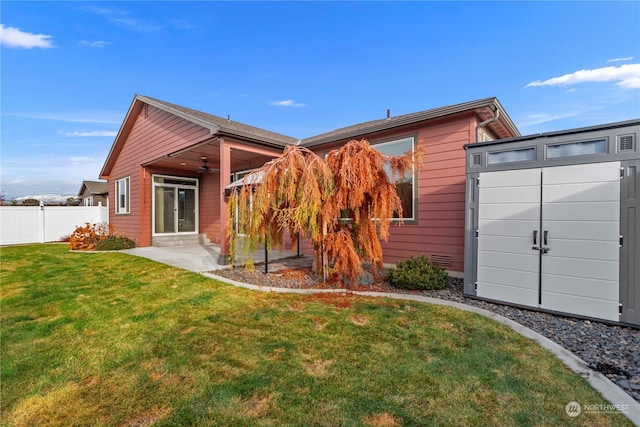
x=203 y=258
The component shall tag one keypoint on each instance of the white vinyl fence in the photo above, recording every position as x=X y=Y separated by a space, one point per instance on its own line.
x=40 y=224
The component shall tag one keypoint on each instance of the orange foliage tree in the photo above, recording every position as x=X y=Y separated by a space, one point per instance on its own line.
x=344 y=205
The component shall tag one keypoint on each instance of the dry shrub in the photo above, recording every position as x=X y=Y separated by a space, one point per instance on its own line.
x=85 y=237
x=101 y=236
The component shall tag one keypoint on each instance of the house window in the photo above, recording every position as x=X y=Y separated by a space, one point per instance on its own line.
x=88 y=201
x=122 y=196
x=576 y=149
x=404 y=186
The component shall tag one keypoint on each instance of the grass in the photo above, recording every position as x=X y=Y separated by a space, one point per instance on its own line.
x=112 y=339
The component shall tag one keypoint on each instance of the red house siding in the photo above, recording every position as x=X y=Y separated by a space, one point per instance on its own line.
x=439 y=229
x=154 y=134
x=210 y=207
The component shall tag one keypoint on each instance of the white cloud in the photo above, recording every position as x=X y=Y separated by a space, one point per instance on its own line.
x=626 y=76
x=106 y=117
x=122 y=18
x=43 y=173
x=15 y=38
x=91 y=133
x=81 y=160
x=538 y=118
x=96 y=43
x=287 y=103
x=628 y=58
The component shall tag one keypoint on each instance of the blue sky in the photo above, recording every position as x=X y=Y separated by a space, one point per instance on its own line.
x=70 y=69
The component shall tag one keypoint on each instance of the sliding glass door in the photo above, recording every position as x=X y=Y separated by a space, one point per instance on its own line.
x=175 y=205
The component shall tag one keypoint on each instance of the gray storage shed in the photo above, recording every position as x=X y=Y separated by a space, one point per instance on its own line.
x=553 y=222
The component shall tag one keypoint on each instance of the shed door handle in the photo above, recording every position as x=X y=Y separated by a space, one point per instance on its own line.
x=546 y=232
x=535 y=236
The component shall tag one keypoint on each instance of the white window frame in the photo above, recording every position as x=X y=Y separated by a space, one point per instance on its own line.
x=195 y=185
x=414 y=177
x=123 y=188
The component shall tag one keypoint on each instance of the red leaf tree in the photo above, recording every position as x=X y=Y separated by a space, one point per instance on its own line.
x=344 y=205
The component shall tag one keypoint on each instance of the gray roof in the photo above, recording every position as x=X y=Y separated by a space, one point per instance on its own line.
x=362 y=129
x=219 y=125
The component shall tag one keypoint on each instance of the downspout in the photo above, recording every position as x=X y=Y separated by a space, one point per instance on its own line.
x=486 y=122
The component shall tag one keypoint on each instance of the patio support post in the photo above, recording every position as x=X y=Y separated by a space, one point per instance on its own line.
x=225 y=179
x=266 y=256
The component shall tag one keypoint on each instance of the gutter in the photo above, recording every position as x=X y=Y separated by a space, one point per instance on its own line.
x=486 y=122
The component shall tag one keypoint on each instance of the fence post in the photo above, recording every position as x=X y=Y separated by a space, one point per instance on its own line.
x=42 y=225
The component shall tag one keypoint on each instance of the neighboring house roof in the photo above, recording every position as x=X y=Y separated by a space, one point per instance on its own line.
x=94 y=187
x=486 y=108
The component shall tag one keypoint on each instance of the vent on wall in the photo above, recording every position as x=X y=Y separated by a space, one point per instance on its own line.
x=626 y=142
x=476 y=159
x=441 y=260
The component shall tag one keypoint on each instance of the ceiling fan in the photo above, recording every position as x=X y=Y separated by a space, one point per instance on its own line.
x=204 y=168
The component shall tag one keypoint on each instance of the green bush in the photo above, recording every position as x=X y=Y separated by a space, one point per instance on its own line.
x=418 y=273
x=115 y=243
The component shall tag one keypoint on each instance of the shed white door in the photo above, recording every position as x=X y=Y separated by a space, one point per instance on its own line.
x=508 y=217
x=549 y=238
x=581 y=217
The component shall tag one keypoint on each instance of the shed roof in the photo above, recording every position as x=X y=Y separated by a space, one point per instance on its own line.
x=552 y=134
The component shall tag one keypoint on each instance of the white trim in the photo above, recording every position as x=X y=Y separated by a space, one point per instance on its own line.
x=123 y=209
x=195 y=187
x=414 y=178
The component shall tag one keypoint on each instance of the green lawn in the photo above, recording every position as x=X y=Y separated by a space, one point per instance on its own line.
x=112 y=339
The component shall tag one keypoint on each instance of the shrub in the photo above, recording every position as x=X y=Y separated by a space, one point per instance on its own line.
x=85 y=237
x=115 y=243
x=418 y=273
x=89 y=236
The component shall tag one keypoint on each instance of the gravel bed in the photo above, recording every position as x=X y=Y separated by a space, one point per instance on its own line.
x=612 y=350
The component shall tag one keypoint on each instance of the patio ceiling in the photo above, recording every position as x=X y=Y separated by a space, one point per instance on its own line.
x=243 y=156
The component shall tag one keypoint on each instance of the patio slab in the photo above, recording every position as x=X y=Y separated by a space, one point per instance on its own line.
x=201 y=258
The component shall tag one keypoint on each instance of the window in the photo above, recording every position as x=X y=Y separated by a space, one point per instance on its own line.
x=175 y=205
x=576 y=149
x=122 y=196
x=88 y=201
x=511 y=156
x=405 y=187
